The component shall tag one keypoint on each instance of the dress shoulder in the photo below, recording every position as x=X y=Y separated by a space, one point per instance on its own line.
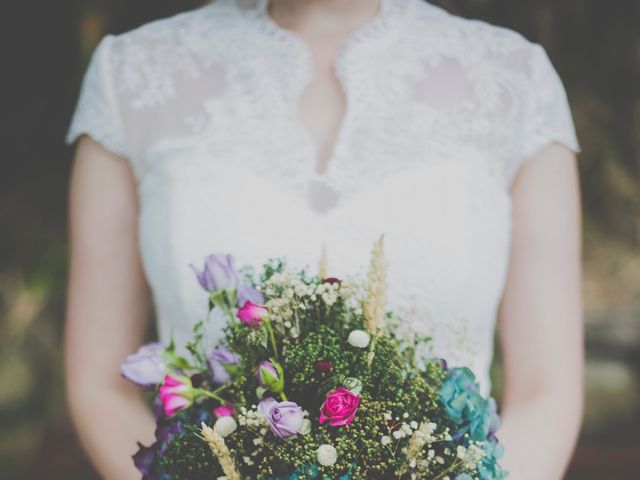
x=513 y=80
x=142 y=69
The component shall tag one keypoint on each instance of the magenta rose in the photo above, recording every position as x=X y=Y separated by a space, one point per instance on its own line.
x=176 y=394
x=224 y=411
x=251 y=314
x=339 y=408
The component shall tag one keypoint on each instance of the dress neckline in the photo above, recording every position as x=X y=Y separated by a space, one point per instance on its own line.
x=296 y=55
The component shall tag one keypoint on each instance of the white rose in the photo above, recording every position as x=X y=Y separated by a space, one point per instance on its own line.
x=225 y=426
x=327 y=455
x=359 y=339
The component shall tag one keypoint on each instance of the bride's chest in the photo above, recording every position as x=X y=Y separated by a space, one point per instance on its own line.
x=446 y=225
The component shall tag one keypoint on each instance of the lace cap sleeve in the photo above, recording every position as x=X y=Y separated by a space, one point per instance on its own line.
x=97 y=113
x=546 y=114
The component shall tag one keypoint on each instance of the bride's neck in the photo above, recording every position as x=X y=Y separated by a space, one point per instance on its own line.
x=322 y=15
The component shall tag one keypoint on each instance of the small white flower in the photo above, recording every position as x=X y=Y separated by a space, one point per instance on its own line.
x=385 y=440
x=359 y=339
x=461 y=452
x=225 y=426
x=327 y=455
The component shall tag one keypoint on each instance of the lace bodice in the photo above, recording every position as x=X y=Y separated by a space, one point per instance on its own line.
x=441 y=113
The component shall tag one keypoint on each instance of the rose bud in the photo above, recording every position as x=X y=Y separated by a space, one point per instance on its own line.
x=271 y=376
x=219 y=274
x=220 y=361
x=323 y=366
x=145 y=367
x=176 y=394
x=285 y=418
x=252 y=314
x=223 y=411
x=339 y=407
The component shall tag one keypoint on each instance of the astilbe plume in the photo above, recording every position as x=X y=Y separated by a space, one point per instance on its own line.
x=374 y=304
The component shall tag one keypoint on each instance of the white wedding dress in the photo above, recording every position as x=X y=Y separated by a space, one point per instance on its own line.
x=441 y=113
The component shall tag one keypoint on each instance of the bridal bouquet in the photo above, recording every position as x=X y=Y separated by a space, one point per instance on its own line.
x=312 y=381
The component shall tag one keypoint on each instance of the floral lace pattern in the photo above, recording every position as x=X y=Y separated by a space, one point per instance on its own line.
x=441 y=113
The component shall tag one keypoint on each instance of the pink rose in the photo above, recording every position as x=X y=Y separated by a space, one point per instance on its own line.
x=176 y=394
x=339 y=408
x=223 y=411
x=251 y=314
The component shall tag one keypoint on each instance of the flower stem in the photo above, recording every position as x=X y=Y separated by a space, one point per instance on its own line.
x=207 y=393
x=272 y=337
x=283 y=396
x=451 y=468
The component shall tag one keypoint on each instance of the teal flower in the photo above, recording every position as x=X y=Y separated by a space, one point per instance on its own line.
x=489 y=468
x=465 y=406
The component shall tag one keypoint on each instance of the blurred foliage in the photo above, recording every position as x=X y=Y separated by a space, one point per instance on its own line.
x=594 y=45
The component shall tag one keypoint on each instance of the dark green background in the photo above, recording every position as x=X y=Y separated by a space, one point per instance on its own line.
x=594 y=45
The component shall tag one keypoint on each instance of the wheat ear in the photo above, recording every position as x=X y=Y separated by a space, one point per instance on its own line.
x=322 y=265
x=220 y=450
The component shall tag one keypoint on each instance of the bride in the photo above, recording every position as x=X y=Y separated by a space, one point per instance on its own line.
x=290 y=128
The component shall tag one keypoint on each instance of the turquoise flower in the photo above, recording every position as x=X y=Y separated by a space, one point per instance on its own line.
x=465 y=406
x=489 y=468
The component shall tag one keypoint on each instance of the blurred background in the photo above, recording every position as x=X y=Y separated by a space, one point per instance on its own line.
x=594 y=45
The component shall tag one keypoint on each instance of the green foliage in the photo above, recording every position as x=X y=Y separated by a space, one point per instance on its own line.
x=188 y=457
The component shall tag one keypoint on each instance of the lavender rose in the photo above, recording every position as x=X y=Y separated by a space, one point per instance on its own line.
x=145 y=367
x=271 y=376
x=219 y=361
x=219 y=273
x=285 y=418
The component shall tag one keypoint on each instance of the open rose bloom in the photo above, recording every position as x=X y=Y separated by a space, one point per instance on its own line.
x=339 y=408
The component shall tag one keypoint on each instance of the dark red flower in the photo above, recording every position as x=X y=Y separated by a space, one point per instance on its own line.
x=323 y=366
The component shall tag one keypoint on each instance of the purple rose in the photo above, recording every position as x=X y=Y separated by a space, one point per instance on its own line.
x=218 y=359
x=284 y=418
x=271 y=376
x=145 y=367
x=252 y=314
x=219 y=273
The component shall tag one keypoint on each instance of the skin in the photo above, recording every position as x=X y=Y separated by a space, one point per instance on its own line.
x=107 y=311
x=540 y=319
